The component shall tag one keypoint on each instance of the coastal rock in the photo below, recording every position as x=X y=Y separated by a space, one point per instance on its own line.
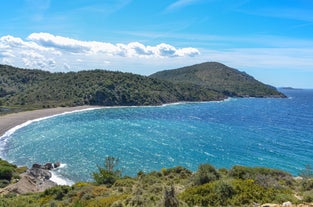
x=28 y=184
x=36 y=165
x=56 y=164
x=35 y=179
x=48 y=166
x=39 y=173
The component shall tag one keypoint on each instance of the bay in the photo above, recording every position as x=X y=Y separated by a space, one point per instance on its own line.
x=276 y=133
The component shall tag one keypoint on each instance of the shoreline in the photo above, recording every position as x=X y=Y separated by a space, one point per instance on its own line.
x=12 y=120
x=9 y=121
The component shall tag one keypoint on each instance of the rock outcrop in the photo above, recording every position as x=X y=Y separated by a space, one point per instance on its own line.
x=35 y=179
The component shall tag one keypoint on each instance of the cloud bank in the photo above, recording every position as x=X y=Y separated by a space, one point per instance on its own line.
x=56 y=53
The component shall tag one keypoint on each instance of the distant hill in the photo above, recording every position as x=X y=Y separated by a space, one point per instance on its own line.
x=25 y=89
x=221 y=78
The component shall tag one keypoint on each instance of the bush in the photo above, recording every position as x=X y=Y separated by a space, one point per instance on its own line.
x=6 y=172
x=224 y=191
x=4 y=183
x=206 y=173
x=235 y=192
x=179 y=170
x=266 y=177
x=307 y=184
x=104 y=177
x=107 y=175
x=58 y=192
x=308 y=196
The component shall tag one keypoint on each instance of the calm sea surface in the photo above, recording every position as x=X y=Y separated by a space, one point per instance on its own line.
x=276 y=133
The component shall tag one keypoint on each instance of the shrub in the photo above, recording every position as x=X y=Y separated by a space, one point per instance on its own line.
x=104 y=177
x=266 y=177
x=6 y=163
x=308 y=196
x=307 y=184
x=224 y=191
x=206 y=173
x=6 y=172
x=107 y=175
x=4 y=183
x=236 y=192
x=58 y=192
x=107 y=201
x=182 y=172
x=81 y=184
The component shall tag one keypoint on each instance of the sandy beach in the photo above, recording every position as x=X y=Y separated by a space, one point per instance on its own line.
x=11 y=120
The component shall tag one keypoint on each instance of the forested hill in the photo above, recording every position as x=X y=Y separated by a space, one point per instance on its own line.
x=23 y=88
x=31 y=89
x=221 y=78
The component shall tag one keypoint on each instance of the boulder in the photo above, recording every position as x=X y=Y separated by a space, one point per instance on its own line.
x=39 y=173
x=36 y=165
x=57 y=164
x=48 y=166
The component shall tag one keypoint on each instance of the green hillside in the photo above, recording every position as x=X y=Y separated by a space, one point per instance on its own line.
x=31 y=89
x=25 y=89
x=221 y=78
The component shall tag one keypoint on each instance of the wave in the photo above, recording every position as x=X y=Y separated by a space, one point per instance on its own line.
x=14 y=129
x=4 y=138
x=58 y=178
x=198 y=102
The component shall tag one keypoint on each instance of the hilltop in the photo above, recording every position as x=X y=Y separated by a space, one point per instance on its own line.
x=221 y=78
x=26 y=89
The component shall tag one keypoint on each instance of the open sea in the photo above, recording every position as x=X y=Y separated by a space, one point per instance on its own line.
x=275 y=133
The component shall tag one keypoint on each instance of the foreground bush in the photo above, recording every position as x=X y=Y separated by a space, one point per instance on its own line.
x=236 y=192
x=178 y=186
x=107 y=174
x=206 y=173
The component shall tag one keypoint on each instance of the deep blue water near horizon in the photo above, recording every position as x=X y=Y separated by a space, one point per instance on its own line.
x=276 y=133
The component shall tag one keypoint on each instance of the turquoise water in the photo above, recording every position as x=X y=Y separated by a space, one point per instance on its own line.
x=275 y=133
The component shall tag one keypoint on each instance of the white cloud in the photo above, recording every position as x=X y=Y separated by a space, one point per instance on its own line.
x=132 y=49
x=56 y=53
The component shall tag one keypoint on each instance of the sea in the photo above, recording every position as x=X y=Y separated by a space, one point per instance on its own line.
x=265 y=132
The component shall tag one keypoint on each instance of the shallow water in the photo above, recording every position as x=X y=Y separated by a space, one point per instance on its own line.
x=276 y=133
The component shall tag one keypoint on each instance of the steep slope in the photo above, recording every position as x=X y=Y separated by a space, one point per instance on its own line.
x=221 y=78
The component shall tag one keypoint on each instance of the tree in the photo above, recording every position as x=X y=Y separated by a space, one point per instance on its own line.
x=107 y=175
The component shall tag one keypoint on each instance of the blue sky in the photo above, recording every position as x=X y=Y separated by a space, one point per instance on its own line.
x=269 y=39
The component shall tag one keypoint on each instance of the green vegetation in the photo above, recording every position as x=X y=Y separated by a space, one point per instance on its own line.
x=9 y=172
x=23 y=89
x=178 y=186
x=107 y=175
x=220 y=78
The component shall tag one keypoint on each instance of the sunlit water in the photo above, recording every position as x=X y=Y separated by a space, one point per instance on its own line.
x=276 y=133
